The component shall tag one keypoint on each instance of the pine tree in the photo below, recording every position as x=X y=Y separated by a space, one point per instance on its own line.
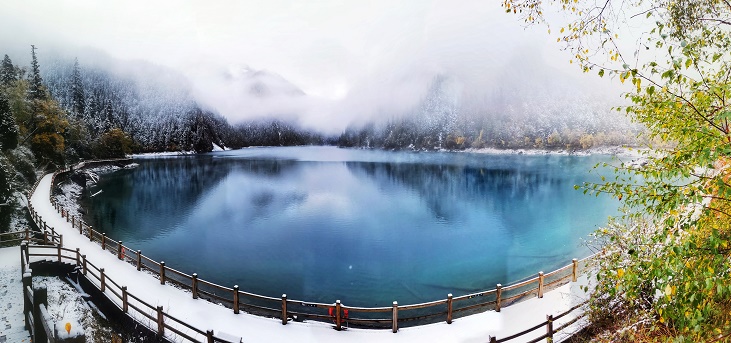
x=36 y=90
x=8 y=129
x=8 y=74
x=78 y=102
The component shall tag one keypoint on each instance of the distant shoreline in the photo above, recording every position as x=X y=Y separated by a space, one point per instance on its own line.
x=605 y=150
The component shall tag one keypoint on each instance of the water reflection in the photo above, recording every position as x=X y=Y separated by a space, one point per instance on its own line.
x=363 y=227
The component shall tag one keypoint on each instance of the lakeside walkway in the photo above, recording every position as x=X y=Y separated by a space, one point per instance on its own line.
x=208 y=316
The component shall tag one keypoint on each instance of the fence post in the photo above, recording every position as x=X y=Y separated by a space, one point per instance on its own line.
x=120 y=250
x=60 y=240
x=104 y=241
x=236 y=299
x=58 y=247
x=78 y=257
x=209 y=335
x=73 y=221
x=27 y=233
x=284 y=309
x=162 y=272
x=83 y=258
x=574 y=269
x=449 y=308
x=337 y=315
x=540 y=284
x=91 y=234
x=45 y=237
x=101 y=279
x=139 y=259
x=394 y=320
x=549 y=328
x=23 y=246
x=40 y=297
x=160 y=322
x=124 y=299
x=194 y=287
x=27 y=282
x=499 y=291
x=27 y=257
x=81 y=227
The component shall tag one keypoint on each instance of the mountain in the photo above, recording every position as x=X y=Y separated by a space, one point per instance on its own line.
x=261 y=83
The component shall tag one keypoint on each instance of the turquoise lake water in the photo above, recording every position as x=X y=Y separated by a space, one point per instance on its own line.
x=366 y=227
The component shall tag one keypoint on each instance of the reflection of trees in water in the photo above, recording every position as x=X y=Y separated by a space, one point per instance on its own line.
x=169 y=188
x=445 y=187
x=162 y=187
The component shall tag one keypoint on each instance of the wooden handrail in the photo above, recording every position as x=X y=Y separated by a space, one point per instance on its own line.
x=124 y=296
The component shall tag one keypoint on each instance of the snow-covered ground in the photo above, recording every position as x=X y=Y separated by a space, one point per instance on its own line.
x=606 y=150
x=208 y=316
x=12 y=323
x=162 y=154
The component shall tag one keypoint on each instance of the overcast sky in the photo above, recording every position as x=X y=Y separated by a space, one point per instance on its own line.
x=352 y=58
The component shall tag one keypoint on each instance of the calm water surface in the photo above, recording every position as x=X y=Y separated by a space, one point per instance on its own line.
x=366 y=227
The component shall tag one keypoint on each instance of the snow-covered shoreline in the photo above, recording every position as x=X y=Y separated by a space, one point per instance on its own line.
x=609 y=150
x=604 y=150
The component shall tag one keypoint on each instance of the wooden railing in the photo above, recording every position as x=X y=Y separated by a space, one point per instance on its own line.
x=548 y=325
x=339 y=314
x=37 y=320
x=152 y=317
x=41 y=237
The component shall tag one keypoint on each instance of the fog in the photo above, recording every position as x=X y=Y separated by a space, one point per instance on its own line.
x=324 y=64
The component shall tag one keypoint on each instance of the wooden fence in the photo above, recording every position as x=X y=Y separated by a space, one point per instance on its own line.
x=41 y=237
x=339 y=314
x=152 y=317
x=548 y=325
x=37 y=320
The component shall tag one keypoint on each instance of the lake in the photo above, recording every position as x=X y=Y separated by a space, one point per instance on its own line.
x=364 y=226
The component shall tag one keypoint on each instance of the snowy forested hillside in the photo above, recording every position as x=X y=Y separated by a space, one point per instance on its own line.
x=523 y=108
x=153 y=105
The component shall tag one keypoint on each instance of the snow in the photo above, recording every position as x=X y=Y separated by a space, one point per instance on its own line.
x=67 y=328
x=208 y=316
x=66 y=305
x=608 y=150
x=70 y=193
x=162 y=154
x=217 y=148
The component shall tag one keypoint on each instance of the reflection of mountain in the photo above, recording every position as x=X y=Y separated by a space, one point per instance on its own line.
x=445 y=186
x=535 y=204
x=170 y=188
x=162 y=187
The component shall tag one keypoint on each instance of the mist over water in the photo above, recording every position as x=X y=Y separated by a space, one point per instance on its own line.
x=365 y=227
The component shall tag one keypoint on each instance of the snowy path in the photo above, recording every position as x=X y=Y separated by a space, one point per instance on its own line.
x=207 y=316
x=12 y=323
